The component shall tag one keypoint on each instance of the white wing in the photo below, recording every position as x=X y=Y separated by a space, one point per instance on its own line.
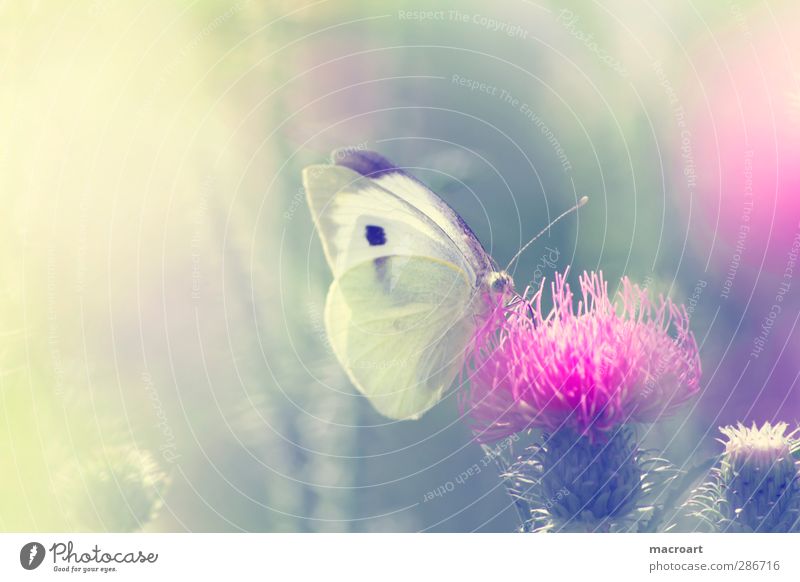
x=403 y=185
x=360 y=221
x=403 y=304
x=400 y=326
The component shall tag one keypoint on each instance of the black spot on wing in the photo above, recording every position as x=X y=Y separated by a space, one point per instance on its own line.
x=375 y=235
x=373 y=165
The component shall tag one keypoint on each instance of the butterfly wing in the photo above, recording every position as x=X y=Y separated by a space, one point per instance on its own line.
x=404 y=299
x=358 y=220
x=394 y=179
x=399 y=326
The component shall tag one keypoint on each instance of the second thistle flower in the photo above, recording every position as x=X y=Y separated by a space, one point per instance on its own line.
x=583 y=375
x=756 y=487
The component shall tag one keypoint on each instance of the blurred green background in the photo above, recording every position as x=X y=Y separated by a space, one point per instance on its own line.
x=163 y=364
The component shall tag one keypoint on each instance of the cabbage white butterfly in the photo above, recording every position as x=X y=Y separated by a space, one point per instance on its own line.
x=411 y=281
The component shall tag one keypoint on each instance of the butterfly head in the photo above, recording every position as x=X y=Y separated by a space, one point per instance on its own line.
x=499 y=283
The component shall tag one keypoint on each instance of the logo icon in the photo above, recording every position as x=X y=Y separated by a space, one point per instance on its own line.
x=31 y=555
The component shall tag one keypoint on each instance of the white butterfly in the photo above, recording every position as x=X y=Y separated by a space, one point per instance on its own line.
x=411 y=281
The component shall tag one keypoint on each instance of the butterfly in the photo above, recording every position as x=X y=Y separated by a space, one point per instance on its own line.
x=411 y=281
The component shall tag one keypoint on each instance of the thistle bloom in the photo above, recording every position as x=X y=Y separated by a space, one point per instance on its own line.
x=589 y=369
x=757 y=482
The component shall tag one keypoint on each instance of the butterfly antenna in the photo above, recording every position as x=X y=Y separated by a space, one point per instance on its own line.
x=580 y=203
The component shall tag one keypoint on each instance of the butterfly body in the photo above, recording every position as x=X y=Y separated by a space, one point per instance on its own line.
x=411 y=280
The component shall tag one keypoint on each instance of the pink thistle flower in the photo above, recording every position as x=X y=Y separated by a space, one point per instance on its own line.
x=589 y=369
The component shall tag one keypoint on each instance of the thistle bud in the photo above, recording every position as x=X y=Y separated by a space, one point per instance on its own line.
x=758 y=479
